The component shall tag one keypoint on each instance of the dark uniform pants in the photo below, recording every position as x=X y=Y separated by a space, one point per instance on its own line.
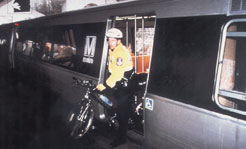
x=123 y=110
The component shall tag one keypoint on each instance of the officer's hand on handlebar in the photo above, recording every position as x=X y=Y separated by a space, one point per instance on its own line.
x=101 y=87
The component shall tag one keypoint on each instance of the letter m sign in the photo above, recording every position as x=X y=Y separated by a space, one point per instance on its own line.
x=90 y=46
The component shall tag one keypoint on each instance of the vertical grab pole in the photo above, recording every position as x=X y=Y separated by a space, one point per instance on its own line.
x=127 y=42
x=135 y=34
x=143 y=44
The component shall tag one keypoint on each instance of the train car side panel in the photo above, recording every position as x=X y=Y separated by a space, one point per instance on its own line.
x=179 y=110
x=185 y=126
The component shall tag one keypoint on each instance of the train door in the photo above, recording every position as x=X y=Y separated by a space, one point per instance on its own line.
x=138 y=36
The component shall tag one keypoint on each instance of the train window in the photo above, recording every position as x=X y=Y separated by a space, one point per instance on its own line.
x=63 y=55
x=33 y=42
x=230 y=82
x=63 y=48
x=78 y=47
x=183 y=61
x=88 y=40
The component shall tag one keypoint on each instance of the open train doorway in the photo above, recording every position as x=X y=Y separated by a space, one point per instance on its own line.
x=138 y=37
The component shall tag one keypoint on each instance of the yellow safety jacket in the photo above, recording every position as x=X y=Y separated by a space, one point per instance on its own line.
x=119 y=61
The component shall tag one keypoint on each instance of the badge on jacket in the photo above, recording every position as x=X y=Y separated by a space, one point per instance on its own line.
x=119 y=61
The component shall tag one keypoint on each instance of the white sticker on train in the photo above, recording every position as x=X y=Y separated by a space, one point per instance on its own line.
x=89 y=50
x=149 y=104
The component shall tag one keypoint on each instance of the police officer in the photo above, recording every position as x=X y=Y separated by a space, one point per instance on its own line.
x=119 y=64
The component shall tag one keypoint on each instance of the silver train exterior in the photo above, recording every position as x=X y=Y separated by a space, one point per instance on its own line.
x=195 y=94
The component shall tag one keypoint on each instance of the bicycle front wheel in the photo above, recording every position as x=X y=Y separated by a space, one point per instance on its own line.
x=80 y=119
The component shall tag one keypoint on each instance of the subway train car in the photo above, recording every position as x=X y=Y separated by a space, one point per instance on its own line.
x=191 y=51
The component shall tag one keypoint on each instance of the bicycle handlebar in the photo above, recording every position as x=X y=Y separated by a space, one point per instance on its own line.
x=84 y=83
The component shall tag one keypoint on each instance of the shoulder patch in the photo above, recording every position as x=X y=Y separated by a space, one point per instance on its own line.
x=119 y=61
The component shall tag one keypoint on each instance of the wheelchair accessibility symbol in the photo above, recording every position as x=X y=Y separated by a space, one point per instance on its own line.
x=149 y=104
